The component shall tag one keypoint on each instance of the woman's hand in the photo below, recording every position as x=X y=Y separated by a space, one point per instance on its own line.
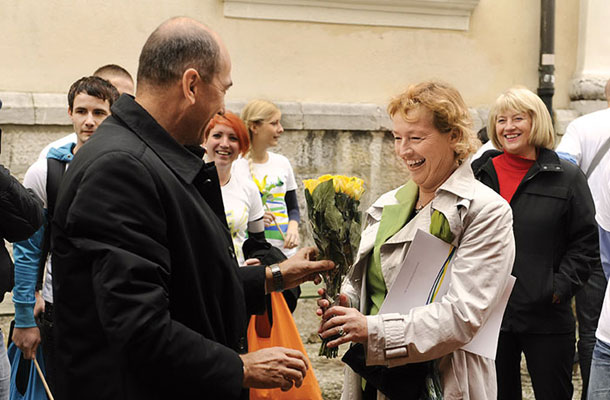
x=268 y=219
x=346 y=322
x=323 y=302
x=291 y=239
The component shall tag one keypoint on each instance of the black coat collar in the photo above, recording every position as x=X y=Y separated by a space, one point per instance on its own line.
x=547 y=160
x=184 y=162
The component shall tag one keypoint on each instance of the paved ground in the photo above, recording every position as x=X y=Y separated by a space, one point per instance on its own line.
x=330 y=372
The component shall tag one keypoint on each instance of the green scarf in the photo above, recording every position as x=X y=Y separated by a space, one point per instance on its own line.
x=393 y=218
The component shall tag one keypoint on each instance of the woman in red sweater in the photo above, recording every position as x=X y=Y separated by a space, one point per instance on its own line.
x=556 y=244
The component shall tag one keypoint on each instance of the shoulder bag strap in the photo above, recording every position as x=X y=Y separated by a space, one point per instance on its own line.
x=55 y=172
x=598 y=157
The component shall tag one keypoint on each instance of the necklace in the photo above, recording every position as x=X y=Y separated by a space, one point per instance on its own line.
x=418 y=207
x=225 y=182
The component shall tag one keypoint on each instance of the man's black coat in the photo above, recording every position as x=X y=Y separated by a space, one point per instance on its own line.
x=149 y=300
x=20 y=218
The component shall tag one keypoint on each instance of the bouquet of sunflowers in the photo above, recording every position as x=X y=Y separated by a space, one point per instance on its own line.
x=332 y=205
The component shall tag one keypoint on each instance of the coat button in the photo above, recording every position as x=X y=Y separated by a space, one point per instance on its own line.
x=231 y=251
x=241 y=345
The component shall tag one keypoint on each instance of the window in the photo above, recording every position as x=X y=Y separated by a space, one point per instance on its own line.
x=437 y=14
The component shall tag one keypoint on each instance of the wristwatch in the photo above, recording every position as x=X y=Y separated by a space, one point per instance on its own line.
x=278 y=280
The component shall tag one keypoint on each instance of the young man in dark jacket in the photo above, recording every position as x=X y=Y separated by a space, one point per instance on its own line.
x=89 y=102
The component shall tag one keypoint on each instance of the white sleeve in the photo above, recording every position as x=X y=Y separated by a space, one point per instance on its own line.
x=36 y=179
x=603 y=211
x=570 y=144
x=291 y=183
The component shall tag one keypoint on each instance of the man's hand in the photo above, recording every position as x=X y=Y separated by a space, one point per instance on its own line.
x=27 y=339
x=274 y=367
x=300 y=268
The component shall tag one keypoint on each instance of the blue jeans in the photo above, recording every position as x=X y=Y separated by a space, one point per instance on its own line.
x=604 y=250
x=5 y=371
x=599 y=381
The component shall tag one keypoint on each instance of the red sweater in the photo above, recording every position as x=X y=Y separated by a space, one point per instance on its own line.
x=510 y=170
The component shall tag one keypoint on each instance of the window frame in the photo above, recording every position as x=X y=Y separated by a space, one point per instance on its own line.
x=432 y=14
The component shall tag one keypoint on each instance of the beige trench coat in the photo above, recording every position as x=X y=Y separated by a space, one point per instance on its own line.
x=481 y=222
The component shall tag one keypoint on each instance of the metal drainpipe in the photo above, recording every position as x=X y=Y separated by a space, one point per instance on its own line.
x=546 y=66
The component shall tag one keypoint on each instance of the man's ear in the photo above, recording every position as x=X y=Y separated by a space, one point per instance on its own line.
x=70 y=112
x=189 y=85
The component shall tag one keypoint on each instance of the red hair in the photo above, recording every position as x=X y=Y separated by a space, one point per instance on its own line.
x=234 y=122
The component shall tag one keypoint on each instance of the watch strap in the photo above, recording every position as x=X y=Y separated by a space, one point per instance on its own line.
x=278 y=279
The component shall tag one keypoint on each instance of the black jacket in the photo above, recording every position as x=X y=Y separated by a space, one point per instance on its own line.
x=149 y=300
x=20 y=218
x=556 y=240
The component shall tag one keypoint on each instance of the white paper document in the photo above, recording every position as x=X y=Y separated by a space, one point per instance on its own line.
x=424 y=277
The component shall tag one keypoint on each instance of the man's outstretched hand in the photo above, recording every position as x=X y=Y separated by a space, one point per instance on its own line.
x=300 y=268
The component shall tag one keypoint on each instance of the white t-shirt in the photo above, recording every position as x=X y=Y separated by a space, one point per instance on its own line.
x=278 y=176
x=602 y=207
x=242 y=204
x=583 y=138
x=603 y=219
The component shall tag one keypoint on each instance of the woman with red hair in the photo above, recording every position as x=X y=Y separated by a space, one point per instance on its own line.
x=225 y=138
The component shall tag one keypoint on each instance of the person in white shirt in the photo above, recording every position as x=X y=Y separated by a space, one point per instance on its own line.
x=584 y=139
x=273 y=175
x=225 y=138
x=599 y=381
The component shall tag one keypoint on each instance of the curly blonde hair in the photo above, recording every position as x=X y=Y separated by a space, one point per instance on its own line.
x=450 y=114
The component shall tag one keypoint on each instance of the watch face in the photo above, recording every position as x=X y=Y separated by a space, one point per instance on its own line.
x=278 y=280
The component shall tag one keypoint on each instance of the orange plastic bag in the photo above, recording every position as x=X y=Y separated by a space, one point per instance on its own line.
x=283 y=333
